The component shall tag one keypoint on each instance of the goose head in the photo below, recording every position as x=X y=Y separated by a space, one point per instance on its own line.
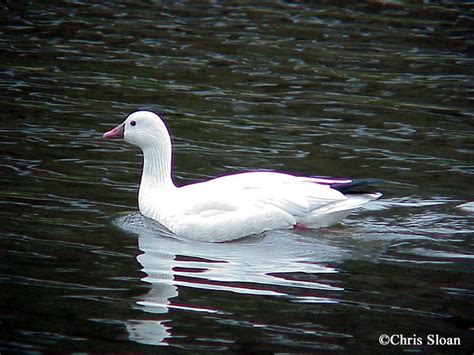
x=144 y=129
x=147 y=130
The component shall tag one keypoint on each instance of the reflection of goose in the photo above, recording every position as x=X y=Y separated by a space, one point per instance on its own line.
x=149 y=332
x=232 y=206
x=257 y=266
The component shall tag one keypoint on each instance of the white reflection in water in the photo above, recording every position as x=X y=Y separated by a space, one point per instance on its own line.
x=260 y=265
x=289 y=264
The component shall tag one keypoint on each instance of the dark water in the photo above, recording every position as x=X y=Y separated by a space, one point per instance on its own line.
x=367 y=90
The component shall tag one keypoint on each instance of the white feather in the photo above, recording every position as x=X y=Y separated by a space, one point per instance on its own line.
x=231 y=206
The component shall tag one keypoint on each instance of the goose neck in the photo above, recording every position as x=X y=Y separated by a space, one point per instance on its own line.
x=156 y=168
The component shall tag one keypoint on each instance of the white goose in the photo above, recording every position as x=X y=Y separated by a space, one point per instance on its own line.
x=233 y=206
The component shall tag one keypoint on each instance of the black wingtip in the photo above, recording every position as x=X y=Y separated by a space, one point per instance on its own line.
x=349 y=187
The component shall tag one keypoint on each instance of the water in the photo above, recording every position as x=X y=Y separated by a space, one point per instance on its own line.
x=368 y=90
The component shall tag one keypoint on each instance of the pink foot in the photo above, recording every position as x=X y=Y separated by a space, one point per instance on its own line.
x=301 y=226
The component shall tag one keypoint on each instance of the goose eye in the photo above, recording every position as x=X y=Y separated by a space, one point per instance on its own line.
x=133 y=123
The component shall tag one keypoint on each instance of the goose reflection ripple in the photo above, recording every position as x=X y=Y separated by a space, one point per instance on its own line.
x=263 y=265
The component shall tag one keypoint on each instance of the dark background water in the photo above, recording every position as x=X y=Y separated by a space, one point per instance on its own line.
x=363 y=90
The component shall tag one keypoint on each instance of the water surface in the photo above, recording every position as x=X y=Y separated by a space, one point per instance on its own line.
x=368 y=90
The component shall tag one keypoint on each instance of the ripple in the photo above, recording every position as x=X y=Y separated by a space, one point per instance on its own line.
x=367 y=90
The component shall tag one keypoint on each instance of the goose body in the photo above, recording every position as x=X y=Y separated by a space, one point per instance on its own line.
x=232 y=206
